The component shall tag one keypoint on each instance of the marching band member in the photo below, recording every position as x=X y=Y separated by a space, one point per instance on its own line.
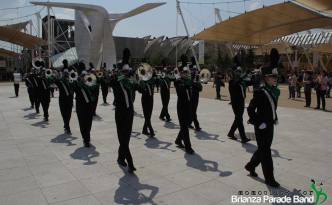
x=104 y=84
x=85 y=87
x=262 y=114
x=44 y=91
x=29 y=84
x=183 y=90
x=66 y=95
x=165 y=84
x=196 y=89
x=238 y=95
x=146 y=87
x=124 y=114
x=92 y=70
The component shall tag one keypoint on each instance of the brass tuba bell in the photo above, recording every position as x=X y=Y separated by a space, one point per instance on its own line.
x=205 y=75
x=73 y=76
x=49 y=73
x=145 y=72
x=90 y=79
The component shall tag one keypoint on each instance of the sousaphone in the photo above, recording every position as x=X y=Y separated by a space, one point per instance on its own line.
x=145 y=72
x=205 y=75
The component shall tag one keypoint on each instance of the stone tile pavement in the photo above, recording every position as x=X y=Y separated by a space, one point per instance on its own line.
x=40 y=165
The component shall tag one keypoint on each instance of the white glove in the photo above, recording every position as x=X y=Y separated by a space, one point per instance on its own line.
x=262 y=126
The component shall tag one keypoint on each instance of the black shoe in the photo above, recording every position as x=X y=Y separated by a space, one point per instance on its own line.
x=161 y=118
x=145 y=132
x=232 y=137
x=198 y=129
x=272 y=183
x=122 y=163
x=179 y=145
x=68 y=132
x=152 y=134
x=131 y=169
x=190 y=151
x=168 y=120
x=46 y=119
x=37 y=111
x=251 y=171
x=87 y=144
x=245 y=140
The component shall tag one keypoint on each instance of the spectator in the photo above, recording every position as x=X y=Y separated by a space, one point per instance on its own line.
x=17 y=78
x=321 y=88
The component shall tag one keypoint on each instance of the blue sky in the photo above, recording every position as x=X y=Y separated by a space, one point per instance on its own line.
x=157 y=22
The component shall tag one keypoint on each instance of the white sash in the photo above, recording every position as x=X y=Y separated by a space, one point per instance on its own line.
x=65 y=88
x=125 y=95
x=149 y=89
x=85 y=95
x=166 y=84
x=242 y=91
x=44 y=84
x=273 y=107
x=187 y=91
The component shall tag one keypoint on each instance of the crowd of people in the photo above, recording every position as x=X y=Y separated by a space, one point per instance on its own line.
x=320 y=82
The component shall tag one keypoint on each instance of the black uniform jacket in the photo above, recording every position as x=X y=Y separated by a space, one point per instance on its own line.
x=262 y=108
x=122 y=94
x=237 y=92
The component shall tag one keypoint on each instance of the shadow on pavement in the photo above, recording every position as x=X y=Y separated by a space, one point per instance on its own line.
x=197 y=162
x=41 y=124
x=128 y=195
x=171 y=125
x=154 y=143
x=86 y=154
x=65 y=139
x=203 y=135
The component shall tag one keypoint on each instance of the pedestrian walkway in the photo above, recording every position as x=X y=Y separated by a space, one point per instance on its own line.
x=40 y=165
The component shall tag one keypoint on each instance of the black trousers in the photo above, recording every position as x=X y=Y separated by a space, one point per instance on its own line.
x=165 y=96
x=195 y=100
x=52 y=92
x=321 y=98
x=31 y=96
x=307 y=94
x=184 y=120
x=104 y=91
x=263 y=153
x=124 y=124
x=95 y=103
x=85 y=115
x=16 y=88
x=36 y=97
x=238 y=110
x=147 y=104
x=218 y=91
x=45 y=103
x=298 y=91
x=66 y=106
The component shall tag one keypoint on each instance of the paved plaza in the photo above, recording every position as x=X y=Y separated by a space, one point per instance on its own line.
x=41 y=165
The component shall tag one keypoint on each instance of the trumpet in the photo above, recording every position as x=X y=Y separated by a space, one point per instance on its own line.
x=73 y=76
x=205 y=75
x=145 y=72
x=90 y=79
x=49 y=73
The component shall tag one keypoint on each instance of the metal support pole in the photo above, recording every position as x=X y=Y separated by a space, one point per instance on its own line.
x=48 y=36
x=188 y=35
